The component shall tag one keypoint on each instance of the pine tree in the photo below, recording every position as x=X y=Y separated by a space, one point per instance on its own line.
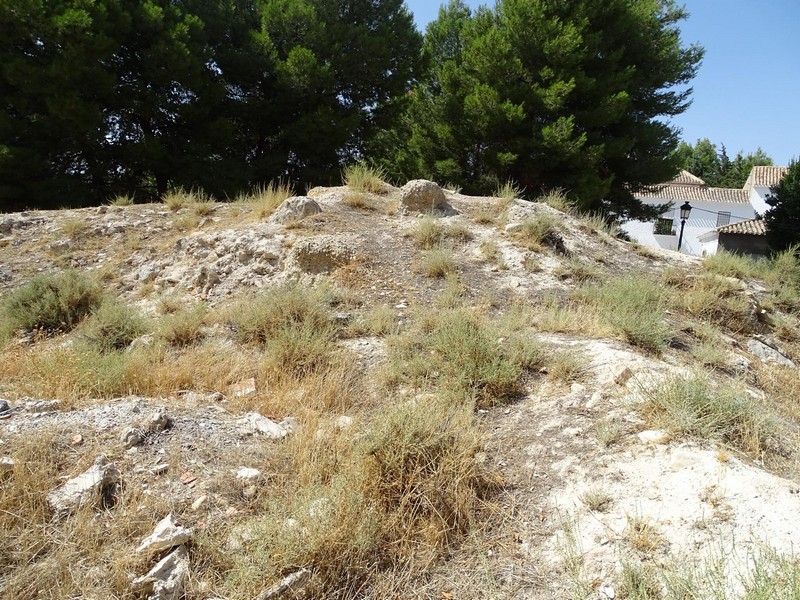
x=782 y=220
x=554 y=94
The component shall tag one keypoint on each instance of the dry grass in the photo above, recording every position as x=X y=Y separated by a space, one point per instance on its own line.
x=358 y=200
x=634 y=307
x=48 y=558
x=508 y=191
x=538 y=231
x=557 y=199
x=181 y=198
x=73 y=227
x=697 y=407
x=361 y=177
x=266 y=198
x=122 y=200
x=438 y=262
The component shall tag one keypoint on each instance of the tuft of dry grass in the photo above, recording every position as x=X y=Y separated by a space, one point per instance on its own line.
x=361 y=177
x=697 y=407
x=558 y=199
x=438 y=262
x=72 y=227
x=508 y=191
x=266 y=198
x=358 y=200
x=537 y=231
x=181 y=198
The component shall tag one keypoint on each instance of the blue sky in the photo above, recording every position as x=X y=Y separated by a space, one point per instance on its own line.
x=747 y=93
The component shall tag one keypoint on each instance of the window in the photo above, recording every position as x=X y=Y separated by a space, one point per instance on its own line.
x=723 y=218
x=663 y=227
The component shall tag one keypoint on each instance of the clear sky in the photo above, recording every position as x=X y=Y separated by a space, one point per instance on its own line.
x=747 y=93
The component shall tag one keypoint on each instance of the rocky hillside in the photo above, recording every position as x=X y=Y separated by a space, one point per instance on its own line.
x=374 y=392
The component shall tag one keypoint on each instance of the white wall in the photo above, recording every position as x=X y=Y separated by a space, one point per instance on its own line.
x=702 y=219
x=758 y=199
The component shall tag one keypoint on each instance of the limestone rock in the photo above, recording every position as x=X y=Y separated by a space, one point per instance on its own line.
x=290 y=585
x=165 y=535
x=294 y=209
x=254 y=423
x=323 y=254
x=653 y=436
x=41 y=406
x=166 y=580
x=421 y=195
x=131 y=436
x=157 y=420
x=763 y=349
x=88 y=487
x=6 y=465
x=247 y=474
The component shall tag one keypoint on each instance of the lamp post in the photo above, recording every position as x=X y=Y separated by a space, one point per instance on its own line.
x=686 y=208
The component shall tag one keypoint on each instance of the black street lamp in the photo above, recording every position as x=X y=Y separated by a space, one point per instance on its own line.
x=686 y=208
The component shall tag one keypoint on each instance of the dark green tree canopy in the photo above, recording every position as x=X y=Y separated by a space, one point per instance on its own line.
x=783 y=217
x=552 y=94
x=715 y=167
x=122 y=96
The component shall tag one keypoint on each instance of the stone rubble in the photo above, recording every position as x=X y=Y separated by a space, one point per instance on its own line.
x=255 y=423
x=166 y=535
x=87 y=488
x=167 y=579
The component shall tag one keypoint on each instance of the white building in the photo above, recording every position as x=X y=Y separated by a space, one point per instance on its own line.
x=712 y=208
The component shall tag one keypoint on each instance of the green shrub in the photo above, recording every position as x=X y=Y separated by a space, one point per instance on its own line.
x=183 y=327
x=51 y=302
x=114 y=326
x=633 y=306
x=695 y=407
x=258 y=318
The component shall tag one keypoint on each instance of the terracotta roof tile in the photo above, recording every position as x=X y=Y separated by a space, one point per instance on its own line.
x=749 y=227
x=766 y=176
x=686 y=178
x=670 y=192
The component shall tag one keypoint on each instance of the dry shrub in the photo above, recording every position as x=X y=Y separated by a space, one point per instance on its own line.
x=114 y=326
x=633 y=306
x=44 y=557
x=696 y=407
x=395 y=497
x=558 y=199
x=182 y=327
x=717 y=300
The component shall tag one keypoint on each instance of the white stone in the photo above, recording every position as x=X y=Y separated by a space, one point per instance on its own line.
x=166 y=580
x=255 y=423
x=293 y=585
x=421 y=195
x=294 y=209
x=6 y=464
x=247 y=474
x=165 y=535
x=344 y=422
x=131 y=436
x=86 y=488
x=653 y=436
